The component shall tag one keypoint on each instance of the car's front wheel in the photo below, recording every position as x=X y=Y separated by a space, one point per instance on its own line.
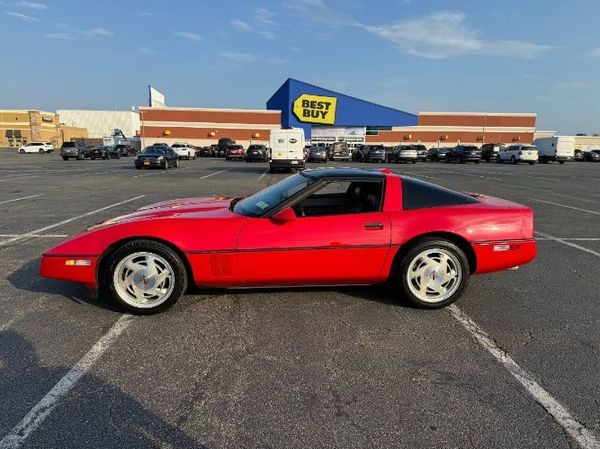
x=433 y=273
x=145 y=277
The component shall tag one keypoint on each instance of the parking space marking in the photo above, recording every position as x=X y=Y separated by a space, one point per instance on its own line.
x=561 y=414
x=572 y=245
x=573 y=239
x=263 y=175
x=68 y=220
x=42 y=236
x=213 y=174
x=22 y=198
x=565 y=206
x=42 y=409
x=15 y=178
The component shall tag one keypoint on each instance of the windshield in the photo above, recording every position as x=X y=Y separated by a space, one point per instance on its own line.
x=154 y=150
x=268 y=199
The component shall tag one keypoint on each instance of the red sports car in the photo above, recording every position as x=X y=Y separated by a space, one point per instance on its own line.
x=317 y=227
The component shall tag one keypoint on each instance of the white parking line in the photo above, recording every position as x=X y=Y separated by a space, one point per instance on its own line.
x=15 y=178
x=561 y=414
x=572 y=245
x=42 y=409
x=42 y=236
x=20 y=199
x=565 y=206
x=213 y=174
x=68 y=220
x=263 y=175
x=573 y=239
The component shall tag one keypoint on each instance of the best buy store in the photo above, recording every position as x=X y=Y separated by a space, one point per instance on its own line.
x=328 y=116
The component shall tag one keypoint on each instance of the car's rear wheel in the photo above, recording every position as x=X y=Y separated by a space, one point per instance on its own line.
x=41 y=151
x=433 y=273
x=498 y=160
x=145 y=277
x=22 y=151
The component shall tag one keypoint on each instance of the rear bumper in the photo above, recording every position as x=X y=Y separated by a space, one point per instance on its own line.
x=57 y=267
x=287 y=163
x=502 y=255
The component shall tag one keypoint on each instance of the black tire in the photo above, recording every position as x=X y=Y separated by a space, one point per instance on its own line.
x=498 y=160
x=41 y=151
x=93 y=158
x=272 y=170
x=180 y=280
x=400 y=271
x=166 y=164
x=477 y=162
x=531 y=163
x=561 y=162
x=414 y=162
x=21 y=151
x=513 y=160
x=176 y=163
x=65 y=158
x=138 y=167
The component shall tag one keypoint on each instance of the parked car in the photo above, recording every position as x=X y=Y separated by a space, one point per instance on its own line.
x=156 y=156
x=359 y=153
x=324 y=227
x=376 y=153
x=557 y=148
x=489 y=151
x=257 y=152
x=101 y=152
x=518 y=153
x=235 y=152
x=464 y=153
x=422 y=152
x=578 y=156
x=222 y=145
x=34 y=147
x=403 y=153
x=207 y=152
x=438 y=154
x=340 y=152
x=317 y=154
x=74 y=150
x=161 y=144
x=125 y=150
x=592 y=156
x=49 y=147
x=184 y=150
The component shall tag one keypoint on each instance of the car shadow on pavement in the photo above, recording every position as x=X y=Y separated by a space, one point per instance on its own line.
x=28 y=278
x=94 y=413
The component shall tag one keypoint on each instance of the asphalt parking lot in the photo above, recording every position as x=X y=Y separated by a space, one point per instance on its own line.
x=305 y=368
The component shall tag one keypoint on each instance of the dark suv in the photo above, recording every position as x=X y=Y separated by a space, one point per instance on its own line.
x=257 y=153
x=125 y=150
x=72 y=150
x=464 y=153
x=489 y=151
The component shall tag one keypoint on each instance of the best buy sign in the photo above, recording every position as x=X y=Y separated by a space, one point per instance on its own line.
x=315 y=109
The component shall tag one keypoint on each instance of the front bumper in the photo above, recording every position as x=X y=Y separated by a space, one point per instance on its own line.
x=148 y=163
x=60 y=267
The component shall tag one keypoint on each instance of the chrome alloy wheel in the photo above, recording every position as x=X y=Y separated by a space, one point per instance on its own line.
x=144 y=279
x=434 y=275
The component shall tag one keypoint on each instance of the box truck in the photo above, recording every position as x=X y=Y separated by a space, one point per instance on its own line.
x=557 y=148
x=287 y=149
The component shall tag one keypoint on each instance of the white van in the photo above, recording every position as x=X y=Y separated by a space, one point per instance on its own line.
x=557 y=148
x=287 y=149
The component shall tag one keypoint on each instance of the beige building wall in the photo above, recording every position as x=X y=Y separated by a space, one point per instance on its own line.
x=22 y=126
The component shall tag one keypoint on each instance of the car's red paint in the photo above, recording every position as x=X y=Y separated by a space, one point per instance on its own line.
x=224 y=249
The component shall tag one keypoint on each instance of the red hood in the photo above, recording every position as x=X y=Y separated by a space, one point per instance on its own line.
x=190 y=207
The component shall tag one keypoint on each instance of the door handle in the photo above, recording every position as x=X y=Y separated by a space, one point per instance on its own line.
x=373 y=225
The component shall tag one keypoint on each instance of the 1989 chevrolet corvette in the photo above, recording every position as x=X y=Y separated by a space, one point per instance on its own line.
x=318 y=227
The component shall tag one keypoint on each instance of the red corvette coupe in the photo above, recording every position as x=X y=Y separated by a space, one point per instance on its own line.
x=317 y=227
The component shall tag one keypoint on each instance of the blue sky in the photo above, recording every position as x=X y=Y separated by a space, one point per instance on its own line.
x=417 y=55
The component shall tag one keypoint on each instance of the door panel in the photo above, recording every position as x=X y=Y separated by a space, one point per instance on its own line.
x=335 y=249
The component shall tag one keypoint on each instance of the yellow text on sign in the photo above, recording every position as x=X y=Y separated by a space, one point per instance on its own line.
x=315 y=109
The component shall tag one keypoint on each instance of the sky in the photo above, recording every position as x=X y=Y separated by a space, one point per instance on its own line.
x=415 y=55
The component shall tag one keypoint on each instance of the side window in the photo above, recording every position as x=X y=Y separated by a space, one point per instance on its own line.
x=341 y=198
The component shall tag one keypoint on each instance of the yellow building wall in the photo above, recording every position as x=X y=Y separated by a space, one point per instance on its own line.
x=23 y=126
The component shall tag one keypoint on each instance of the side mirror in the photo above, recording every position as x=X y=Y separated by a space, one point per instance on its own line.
x=284 y=216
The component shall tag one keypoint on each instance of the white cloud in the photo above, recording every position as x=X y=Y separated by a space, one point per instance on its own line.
x=146 y=51
x=147 y=14
x=189 y=36
x=318 y=11
x=239 y=57
x=264 y=16
x=571 y=86
x=22 y=16
x=32 y=5
x=595 y=53
x=64 y=36
x=267 y=34
x=240 y=25
x=97 y=32
x=445 y=34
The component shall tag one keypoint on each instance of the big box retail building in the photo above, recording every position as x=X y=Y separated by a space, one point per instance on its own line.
x=328 y=116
